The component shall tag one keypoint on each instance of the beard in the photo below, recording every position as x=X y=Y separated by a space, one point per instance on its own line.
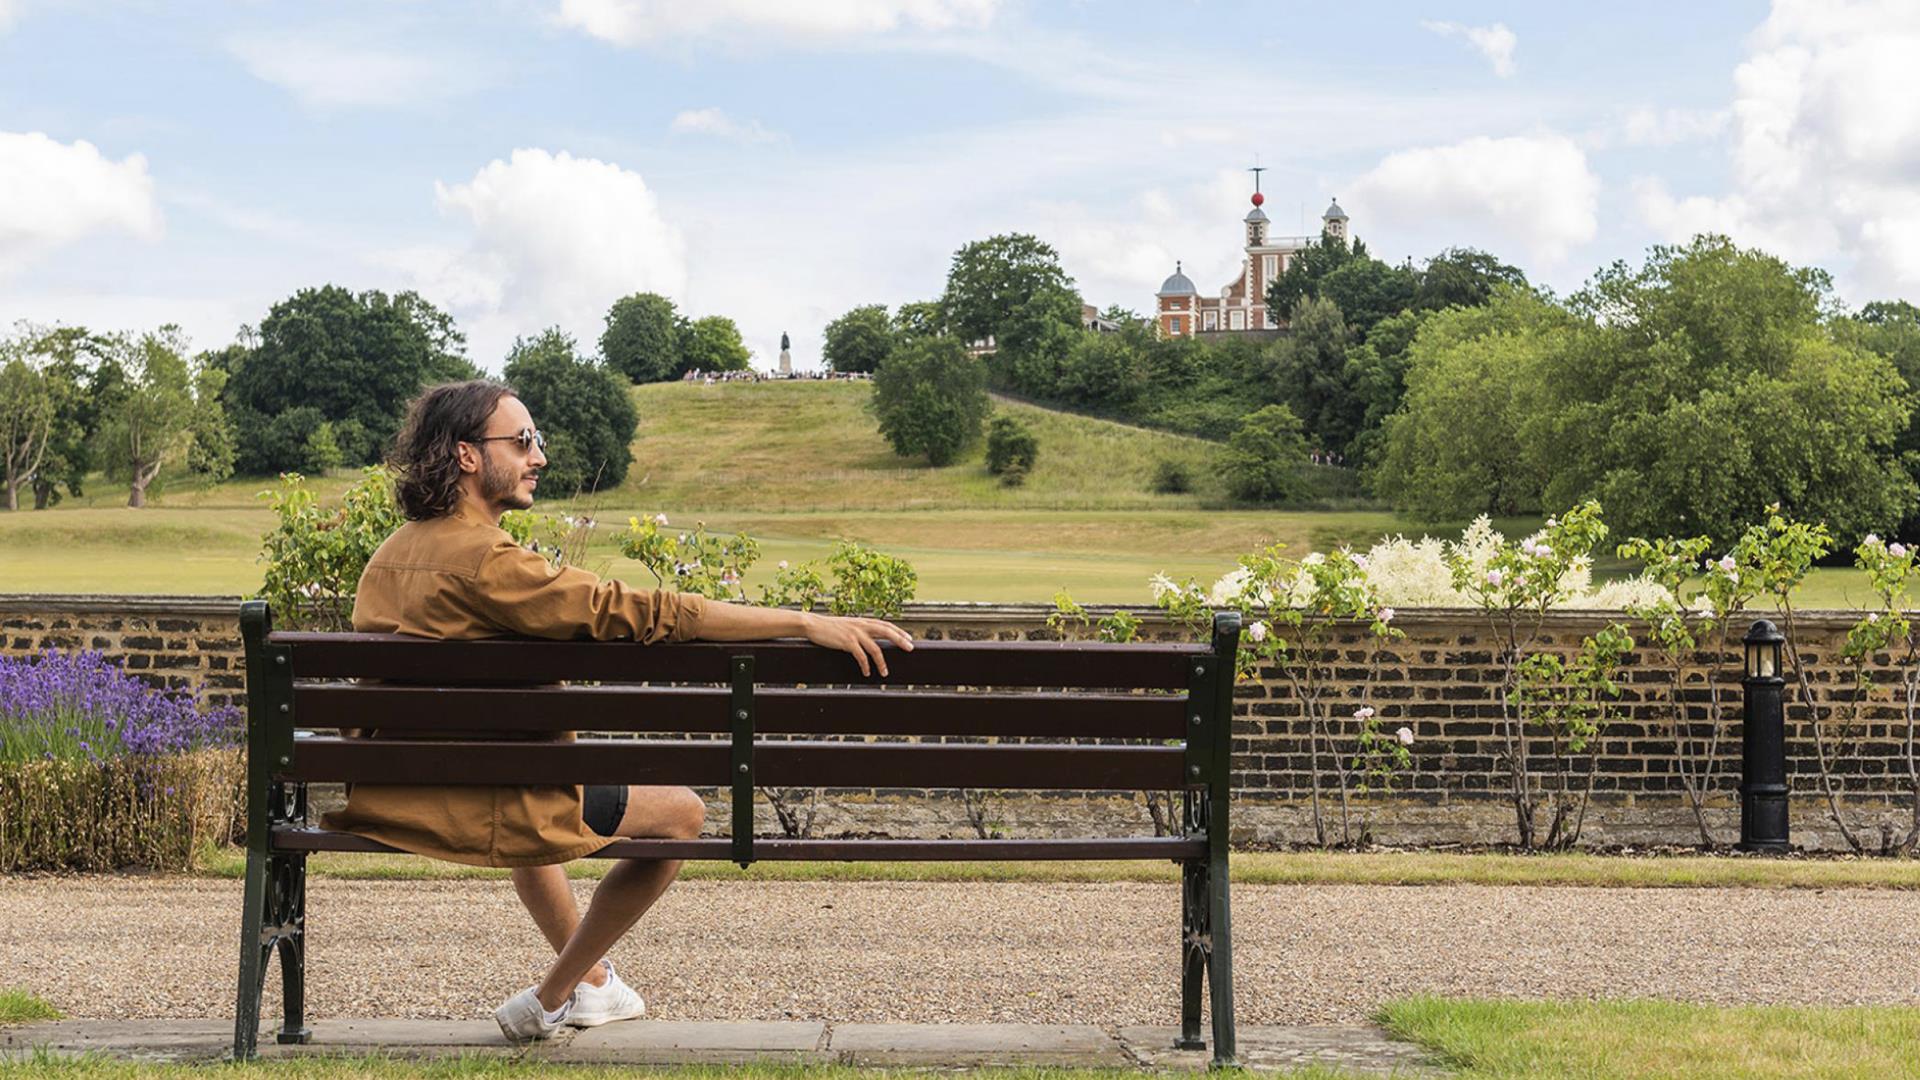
x=500 y=485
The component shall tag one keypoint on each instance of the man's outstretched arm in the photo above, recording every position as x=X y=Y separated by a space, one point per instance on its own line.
x=860 y=637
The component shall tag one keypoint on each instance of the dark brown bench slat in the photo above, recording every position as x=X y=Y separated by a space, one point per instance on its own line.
x=931 y=663
x=1129 y=847
x=776 y=712
x=775 y=764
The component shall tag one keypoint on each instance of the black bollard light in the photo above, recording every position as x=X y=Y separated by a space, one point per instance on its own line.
x=1763 y=777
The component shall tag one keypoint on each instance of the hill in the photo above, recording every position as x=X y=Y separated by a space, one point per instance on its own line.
x=813 y=446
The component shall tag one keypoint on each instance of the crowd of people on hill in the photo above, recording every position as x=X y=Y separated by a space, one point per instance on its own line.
x=710 y=377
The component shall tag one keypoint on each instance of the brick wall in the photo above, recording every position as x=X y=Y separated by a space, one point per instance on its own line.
x=1441 y=681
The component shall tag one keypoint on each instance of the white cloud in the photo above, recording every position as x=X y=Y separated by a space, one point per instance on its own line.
x=1825 y=160
x=323 y=69
x=1534 y=191
x=1494 y=42
x=640 y=22
x=555 y=240
x=9 y=11
x=54 y=193
x=718 y=124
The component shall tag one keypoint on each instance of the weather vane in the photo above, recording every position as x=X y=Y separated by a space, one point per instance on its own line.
x=1256 y=171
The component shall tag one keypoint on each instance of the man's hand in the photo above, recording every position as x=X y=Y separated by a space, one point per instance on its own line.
x=861 y=637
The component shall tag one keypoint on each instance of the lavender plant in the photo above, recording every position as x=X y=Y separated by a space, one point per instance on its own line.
x=57 y=706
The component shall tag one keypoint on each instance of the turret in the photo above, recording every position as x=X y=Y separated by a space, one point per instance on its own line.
x=1334 y=222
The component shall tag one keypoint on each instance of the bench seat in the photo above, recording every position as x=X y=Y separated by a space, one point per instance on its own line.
x=1175 y=848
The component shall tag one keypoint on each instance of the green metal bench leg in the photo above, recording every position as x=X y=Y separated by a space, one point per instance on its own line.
x=290 y=917
x=1193 y=952
x=1220 y=964
x=253 y=960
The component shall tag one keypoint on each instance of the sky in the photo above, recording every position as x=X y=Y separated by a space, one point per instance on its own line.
x=523 y=163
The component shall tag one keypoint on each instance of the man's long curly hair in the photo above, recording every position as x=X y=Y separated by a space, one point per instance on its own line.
x=426 y=453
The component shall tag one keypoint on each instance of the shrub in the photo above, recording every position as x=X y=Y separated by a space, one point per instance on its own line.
x=865 y=582
x=315 y=554
x=1010 y=445
x=1014 y=475
x=1172 y=477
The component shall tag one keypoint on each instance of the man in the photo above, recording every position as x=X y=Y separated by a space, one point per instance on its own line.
x=468 y=453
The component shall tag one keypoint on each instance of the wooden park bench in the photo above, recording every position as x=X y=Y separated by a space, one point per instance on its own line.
x=1058 y=716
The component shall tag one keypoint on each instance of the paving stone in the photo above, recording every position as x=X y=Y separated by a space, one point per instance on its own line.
x=138 y=1040
x=967 y=1045
x=673 y=1042
x=1360 y=1048
x=403 y=1038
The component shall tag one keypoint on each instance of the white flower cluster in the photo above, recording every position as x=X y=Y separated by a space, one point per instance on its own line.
x=1419 y=573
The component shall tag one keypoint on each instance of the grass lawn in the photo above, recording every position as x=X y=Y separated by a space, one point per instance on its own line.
x=1409 y=868
x=1541 y=1040
x=20 y=1007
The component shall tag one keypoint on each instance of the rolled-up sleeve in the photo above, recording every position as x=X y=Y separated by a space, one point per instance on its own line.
x=518 y=589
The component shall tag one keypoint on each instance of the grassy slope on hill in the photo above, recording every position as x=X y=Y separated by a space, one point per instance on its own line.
x=798 y=465
x=813 y=446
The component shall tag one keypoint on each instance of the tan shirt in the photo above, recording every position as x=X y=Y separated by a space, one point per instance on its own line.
x=463 y=577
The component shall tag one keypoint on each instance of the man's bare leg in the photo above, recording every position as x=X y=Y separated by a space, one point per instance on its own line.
x=628 y=890
x=547 y=895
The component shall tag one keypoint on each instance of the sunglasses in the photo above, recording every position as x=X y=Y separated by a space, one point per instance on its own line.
x=526 y=439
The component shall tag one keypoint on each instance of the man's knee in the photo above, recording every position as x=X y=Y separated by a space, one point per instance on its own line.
x=691 y=814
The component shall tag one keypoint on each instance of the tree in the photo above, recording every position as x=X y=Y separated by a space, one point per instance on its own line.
x=990 y=277
x=713 y=344
x=355 y=357
x=1709 y=385
x=1034 y=339
x=1310 y=374
x=154 y=423
x=1463 y=277
x=859 y=340
x=1367 y=291
x=1465 y=440
x=919 y=318
x=1891 y=329
x=321 y=451
x=27 y=407
x=930 y=398
x=1263 y=458
x=645 y=338
x=1687 y=395
x=582 y=406
x=1105 y=370
x=1307 y=267
x=1376 y=376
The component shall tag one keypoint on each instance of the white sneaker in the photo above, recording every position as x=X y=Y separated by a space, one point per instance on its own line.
x=523 y=1019
x=596 y=1005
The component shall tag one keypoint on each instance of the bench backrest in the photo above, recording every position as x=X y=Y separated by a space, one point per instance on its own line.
x=1159 y=712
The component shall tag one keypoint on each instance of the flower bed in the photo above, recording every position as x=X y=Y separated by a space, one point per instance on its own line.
x=100 y=771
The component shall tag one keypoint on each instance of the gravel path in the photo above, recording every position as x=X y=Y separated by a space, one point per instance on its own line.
x=1057 y=953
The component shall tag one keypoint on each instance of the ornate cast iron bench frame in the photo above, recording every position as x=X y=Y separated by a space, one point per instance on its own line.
x=1176 y=737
